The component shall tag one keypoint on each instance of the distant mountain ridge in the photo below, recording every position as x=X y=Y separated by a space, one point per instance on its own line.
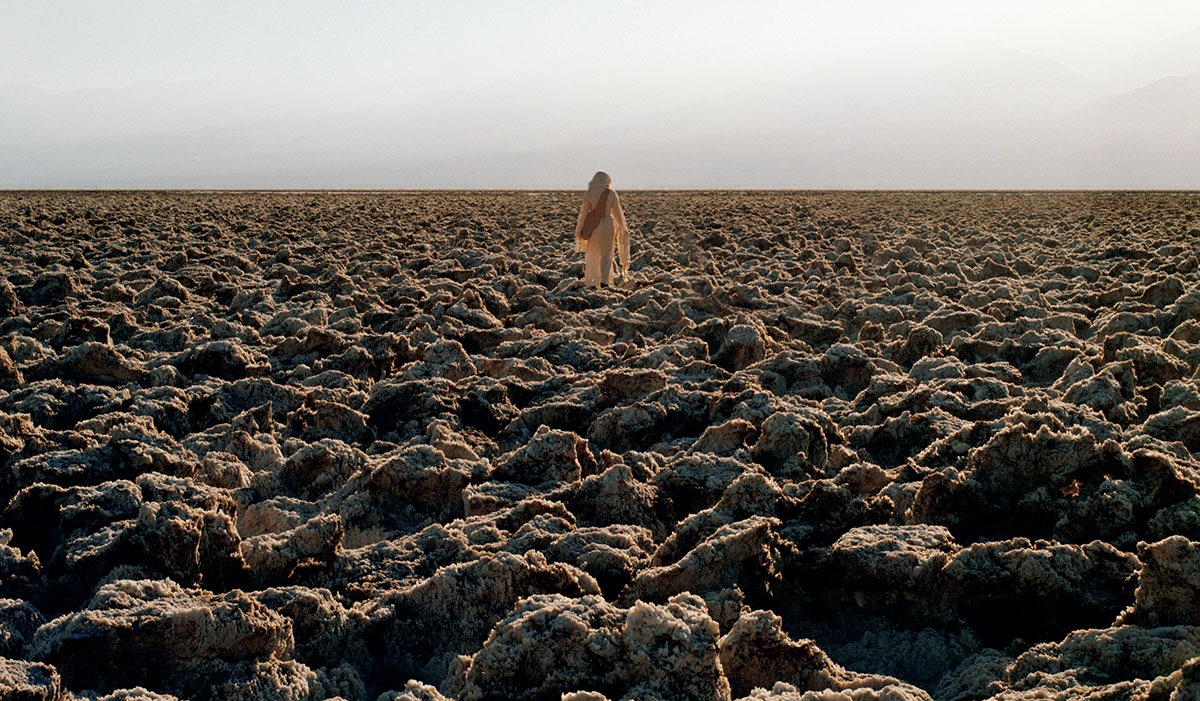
x=1166 y=101
x=1178 y=56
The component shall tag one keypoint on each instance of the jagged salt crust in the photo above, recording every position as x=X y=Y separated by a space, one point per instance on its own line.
x=851 y=446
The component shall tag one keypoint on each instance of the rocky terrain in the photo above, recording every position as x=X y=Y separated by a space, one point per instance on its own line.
x=859 y=446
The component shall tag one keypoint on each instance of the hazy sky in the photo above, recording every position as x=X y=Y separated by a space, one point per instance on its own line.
x=954 y=93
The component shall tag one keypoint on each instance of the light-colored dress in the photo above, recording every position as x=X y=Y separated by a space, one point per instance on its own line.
x=612 y=233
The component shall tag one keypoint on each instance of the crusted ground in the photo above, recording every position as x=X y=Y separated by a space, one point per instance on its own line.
x=818 y=446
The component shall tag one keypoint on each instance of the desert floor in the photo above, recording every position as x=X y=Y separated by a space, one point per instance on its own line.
x=818 y=446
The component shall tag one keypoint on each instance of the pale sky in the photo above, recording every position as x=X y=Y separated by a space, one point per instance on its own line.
x=868 y=93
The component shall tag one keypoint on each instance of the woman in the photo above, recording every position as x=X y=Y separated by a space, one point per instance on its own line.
x=612 y=232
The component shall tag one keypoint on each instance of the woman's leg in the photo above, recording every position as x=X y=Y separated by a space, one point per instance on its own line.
x=607 y=237
x=591 y=263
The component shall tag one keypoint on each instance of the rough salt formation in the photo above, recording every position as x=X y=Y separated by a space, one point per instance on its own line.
x=820 y=446
x=553 y=645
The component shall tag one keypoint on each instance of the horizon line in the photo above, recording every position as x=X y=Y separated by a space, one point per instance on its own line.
x=351 y=190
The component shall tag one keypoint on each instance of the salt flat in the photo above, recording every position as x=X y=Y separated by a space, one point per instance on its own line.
x=888 y=445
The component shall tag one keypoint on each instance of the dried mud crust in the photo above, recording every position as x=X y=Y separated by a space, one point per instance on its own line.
x=385 y=445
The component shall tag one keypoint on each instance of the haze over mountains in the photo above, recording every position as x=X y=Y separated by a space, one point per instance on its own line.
x=934 y=115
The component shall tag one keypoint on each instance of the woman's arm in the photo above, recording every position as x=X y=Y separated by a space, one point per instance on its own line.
x=621 y=228
x=583 y=209
x=618 y=214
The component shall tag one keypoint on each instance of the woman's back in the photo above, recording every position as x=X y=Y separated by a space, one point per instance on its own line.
x=608 y=232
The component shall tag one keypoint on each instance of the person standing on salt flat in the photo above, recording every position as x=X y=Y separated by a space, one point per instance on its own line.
x=600 y=230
